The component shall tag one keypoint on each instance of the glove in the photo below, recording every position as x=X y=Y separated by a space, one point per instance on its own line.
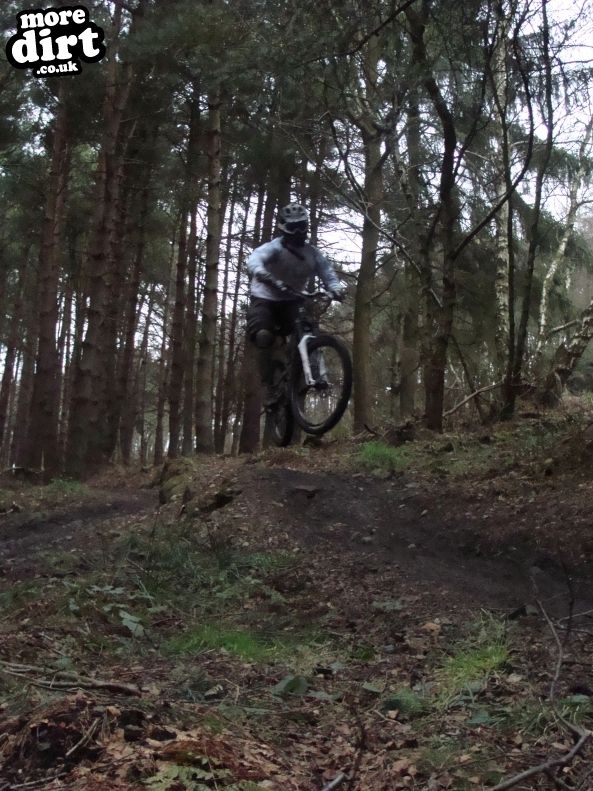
x=338 y=293
x=267 y=277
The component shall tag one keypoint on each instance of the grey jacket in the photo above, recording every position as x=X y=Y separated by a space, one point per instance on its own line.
x=292 y=268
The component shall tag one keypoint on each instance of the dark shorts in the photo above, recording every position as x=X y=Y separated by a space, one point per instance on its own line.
x=277 y=317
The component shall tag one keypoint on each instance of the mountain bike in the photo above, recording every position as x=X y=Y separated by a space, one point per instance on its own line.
x=313 y=382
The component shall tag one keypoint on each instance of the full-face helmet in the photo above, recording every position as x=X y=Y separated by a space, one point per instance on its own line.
x=293 y=221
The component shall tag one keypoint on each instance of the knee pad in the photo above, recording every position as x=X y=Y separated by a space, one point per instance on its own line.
x=263 y=339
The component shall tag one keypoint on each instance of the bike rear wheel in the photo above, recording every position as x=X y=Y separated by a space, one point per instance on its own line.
x=318 y=408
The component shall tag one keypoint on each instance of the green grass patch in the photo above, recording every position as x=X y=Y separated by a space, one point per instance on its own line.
x=18 y=596
x=265 y=563
x=301 y=651
x=64 y=487
x=473 y=662
x=407 y=702
x=211 y=637
x=378 y=455
x=206 y=773
x=521 y=445
x=536 y=717
x=363 y=652
x=185 y=570
x=449 y=754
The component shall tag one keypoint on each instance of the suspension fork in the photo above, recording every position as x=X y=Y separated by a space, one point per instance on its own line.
x=306 y=363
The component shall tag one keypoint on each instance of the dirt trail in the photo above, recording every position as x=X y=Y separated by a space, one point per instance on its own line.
x=434 y=539
x=80 y=525
x=386 y=577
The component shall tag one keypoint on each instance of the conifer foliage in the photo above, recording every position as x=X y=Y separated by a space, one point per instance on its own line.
x=443 y=150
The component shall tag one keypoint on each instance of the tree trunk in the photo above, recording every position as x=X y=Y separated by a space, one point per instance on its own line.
x=164 y=369
x=409 y=353
x=361 y=344
x=204 y=426
x=236 y=433
x=18 y=450
x=569 y=223
x=219 y=428
x=436 y=358
x=503 y=331
x=316 y=192
x=42 y=439
x=251 y=395
x=178 y=347
x=127 y=407
x=126 y=413
x=122 y=320
x=373 y=190
x=567 y=356
x=189 y=340
x=176 y=370
x=73 y=360
x=514 y=376
x=410 y=335
x=12 y=343
x=64 y=350
x=230 y=380
x=11 y=408
x=135 y=414
x=88 y=429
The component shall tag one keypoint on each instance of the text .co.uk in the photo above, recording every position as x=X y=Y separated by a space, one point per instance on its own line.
x=54 y=41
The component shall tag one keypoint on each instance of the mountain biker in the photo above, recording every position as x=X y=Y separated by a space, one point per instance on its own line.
x=278 y=269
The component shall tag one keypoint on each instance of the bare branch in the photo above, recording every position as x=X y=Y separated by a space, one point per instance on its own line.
x=469 y=398
x=548 y=765
x=562 y=327
x=366 y=38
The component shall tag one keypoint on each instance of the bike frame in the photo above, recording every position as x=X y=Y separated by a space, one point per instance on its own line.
x=300 y=366
x=305 y=330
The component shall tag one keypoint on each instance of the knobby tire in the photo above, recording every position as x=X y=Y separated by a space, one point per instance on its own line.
x=340 y=347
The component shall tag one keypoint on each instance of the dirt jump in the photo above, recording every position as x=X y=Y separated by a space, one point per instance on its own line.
x=298 y=620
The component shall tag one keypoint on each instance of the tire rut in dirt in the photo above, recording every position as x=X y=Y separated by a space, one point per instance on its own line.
x=400 y=523
x=22 y=536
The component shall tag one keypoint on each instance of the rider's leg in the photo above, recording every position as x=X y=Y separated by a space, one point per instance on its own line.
x=260 y=330
x=285 y=314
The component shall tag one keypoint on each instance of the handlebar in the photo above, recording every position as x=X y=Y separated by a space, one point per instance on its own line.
x=319 y=294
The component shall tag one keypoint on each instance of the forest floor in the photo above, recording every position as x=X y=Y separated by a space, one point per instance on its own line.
x=350 y=616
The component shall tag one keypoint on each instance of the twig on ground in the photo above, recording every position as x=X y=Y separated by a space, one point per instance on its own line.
x=85 y=739
x=52 y=645
x=571 y=602
x=338 y=780
x=575 y=615
x=362 y=743
x=65 y=679
x=560 y=658
x=32 y=783
x=557 y=781
x=583 y=734
x=583 y=783
x=547 y=766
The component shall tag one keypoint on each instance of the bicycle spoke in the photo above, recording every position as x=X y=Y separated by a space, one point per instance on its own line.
x=320 y=401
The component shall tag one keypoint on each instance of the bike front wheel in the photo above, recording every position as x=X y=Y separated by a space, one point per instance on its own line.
x=318 y=407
